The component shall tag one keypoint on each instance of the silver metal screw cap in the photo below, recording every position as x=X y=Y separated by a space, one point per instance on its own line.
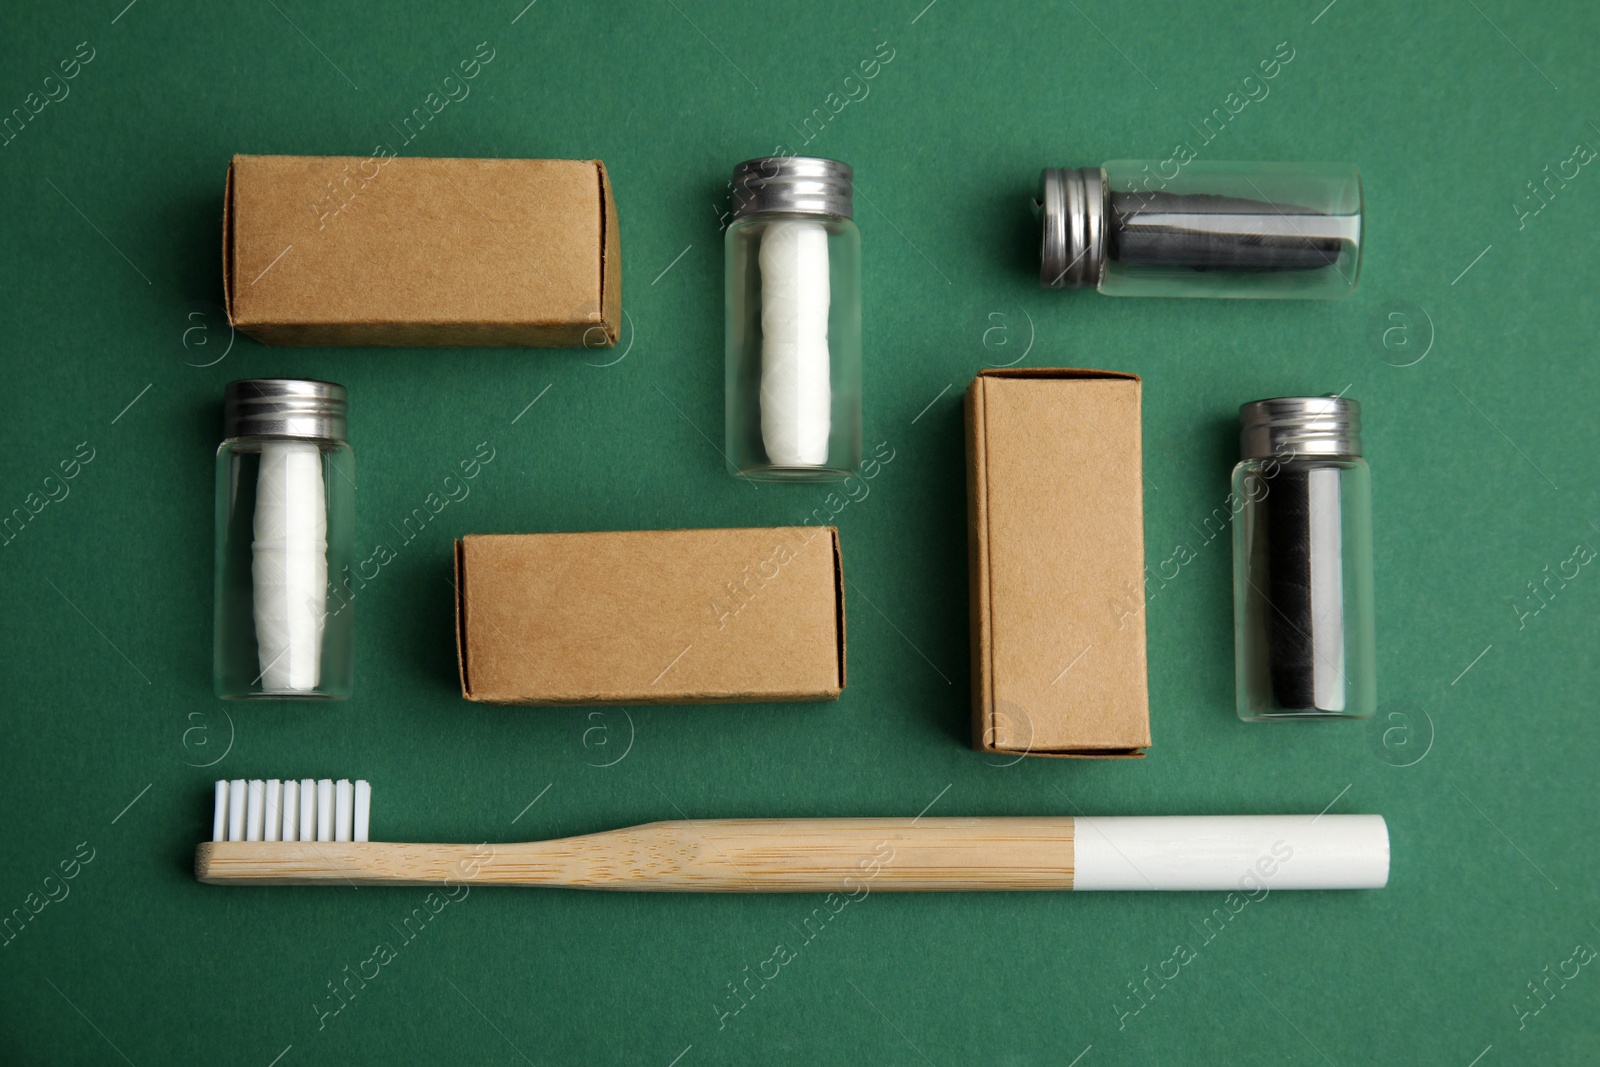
x=1288 y=426
x=284 y=407
x=808 y=185
x=1072 y=210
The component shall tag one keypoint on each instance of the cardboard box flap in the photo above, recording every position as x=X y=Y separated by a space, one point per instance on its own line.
x=610 y=267
x=1057 y=373
x=227 y=245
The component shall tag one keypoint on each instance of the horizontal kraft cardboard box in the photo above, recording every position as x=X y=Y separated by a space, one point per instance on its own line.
x=386 y=250
x=651 y=616
x=1056 y=543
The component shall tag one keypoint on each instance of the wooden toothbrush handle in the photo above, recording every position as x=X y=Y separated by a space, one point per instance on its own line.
x=852 y=855
x=693 y=856
x=354 y=863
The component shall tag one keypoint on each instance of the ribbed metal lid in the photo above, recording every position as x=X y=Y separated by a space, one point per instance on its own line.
x=1298 y=426
x=284 y=407
x=1072 y=211
x=805 y=184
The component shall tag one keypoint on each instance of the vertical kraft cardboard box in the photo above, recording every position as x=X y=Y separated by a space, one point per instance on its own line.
x=1056 y=543
x=384 y=250
x=651 y=616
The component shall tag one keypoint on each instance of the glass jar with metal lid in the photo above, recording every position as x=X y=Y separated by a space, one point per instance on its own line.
x=793 y=356
x=1180 y=227
x=285 y=540
x=1302 y=556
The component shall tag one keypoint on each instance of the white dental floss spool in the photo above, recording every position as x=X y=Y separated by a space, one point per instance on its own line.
x=795 y=392
x=289 y=565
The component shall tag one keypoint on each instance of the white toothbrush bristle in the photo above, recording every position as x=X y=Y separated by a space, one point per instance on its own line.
x=236 y=810
x=325 y=809
x=308 y=809
x=274 y=809
x=291 y=810
x=219 y=811
x=254 y=813
x=343 y=809
x=363 y=808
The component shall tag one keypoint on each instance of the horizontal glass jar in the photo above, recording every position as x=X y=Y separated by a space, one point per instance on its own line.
x=1201 y=228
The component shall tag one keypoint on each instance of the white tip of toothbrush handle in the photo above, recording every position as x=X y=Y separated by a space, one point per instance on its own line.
x=1251 y=853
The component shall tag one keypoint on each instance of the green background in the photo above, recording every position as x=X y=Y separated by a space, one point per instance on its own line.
x=1483 y=450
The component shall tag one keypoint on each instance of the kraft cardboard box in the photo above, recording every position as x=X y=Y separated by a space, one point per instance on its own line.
x=651 y=616
x=1056 y=544
x=383 y=250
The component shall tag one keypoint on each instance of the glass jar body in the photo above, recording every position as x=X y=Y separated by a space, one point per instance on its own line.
x=285 y=541
x=1215 y=229
x=1304 y=633
x=793 y=347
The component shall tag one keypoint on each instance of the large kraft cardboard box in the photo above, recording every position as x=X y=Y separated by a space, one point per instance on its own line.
x=1056 y=543
x=383 y=250
x=651 y=617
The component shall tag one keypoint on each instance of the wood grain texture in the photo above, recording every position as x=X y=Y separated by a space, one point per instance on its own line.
x=715 y=856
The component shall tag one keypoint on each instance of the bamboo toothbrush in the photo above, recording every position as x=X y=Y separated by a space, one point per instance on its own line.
x=315 y=833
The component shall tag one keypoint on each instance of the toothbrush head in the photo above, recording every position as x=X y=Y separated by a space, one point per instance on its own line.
x=288 y=810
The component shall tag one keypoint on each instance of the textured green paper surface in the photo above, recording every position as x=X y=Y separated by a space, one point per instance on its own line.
x=1483 y=451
